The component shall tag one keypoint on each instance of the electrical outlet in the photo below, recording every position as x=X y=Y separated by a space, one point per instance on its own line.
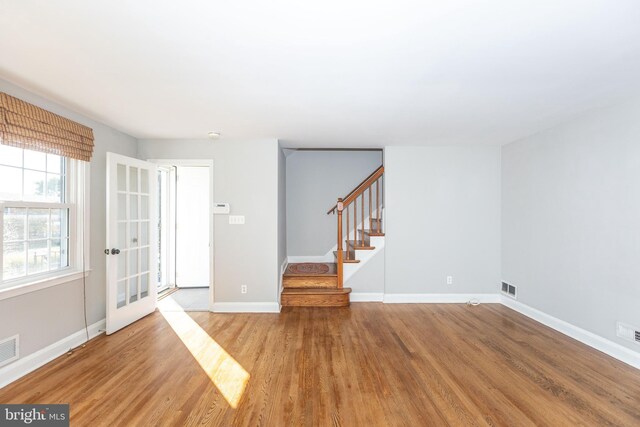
x=449 y=280
x=243 y=289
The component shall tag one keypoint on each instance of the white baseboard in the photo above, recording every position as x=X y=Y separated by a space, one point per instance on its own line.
x=283 y=268
x=440 y=298
x=24 y=365
x=604 y=345
x=246 y=307
x=366 y=297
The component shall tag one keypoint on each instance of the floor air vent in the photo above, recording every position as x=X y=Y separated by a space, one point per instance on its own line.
x=508 y=289
x=628 y=332
x=9 y=350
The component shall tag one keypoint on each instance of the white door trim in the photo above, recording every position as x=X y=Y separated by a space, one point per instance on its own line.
x=201 y=163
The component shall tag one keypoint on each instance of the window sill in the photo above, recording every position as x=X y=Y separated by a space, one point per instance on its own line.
x=26 y=288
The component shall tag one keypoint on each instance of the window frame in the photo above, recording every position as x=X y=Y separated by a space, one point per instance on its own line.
x=77 y=201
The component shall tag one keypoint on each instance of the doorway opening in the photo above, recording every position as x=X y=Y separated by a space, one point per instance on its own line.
x=185 y=234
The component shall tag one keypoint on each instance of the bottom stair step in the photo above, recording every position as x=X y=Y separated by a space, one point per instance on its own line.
x=315 y=297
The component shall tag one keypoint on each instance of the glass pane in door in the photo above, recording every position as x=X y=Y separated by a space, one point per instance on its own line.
x=133 y=289
x=122 y=294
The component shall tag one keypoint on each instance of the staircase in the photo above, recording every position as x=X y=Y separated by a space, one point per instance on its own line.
x=321 y=284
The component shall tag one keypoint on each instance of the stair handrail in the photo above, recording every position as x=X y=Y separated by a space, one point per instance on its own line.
x=343 y=203
x=360 y=188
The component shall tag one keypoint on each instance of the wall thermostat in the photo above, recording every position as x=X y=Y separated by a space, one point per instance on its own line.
x=221 y=208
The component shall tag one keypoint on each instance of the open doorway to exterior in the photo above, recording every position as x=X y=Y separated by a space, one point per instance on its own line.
x=185 y=235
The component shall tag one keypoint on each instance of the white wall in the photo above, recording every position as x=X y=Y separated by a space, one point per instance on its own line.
x=46 y=316
x=442 y=213
x=571 y=220
x=315 y=180
x=246 y=176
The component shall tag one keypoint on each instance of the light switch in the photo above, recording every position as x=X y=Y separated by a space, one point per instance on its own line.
x=236 y=219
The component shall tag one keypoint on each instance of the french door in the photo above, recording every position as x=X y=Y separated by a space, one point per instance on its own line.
x=131 y=240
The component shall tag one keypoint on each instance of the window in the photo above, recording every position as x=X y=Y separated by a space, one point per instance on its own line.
x=38 y=197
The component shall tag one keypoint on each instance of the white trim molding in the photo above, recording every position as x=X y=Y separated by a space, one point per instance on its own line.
x=597 y=342
x=366 y=297
x=208 y=163
x=24 y=365
x=66 y=276
x=441 y=298
x=246 y=307
x=283 y=268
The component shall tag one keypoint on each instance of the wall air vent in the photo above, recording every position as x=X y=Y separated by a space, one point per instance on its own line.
x=9 y=350
x=628 y=332
x=509 y=289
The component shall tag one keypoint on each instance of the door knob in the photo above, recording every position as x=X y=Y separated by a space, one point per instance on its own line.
x=115 y=251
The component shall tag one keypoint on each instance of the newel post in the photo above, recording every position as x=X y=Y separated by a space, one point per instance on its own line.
x=340 y=207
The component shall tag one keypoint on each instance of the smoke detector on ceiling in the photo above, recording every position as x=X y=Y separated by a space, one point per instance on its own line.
x=214 y=134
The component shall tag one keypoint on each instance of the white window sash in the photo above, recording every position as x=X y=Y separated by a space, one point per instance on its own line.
x=72 y=242
x=77 y=198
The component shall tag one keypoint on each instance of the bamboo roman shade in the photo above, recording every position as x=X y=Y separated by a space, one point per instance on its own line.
x=26 y=126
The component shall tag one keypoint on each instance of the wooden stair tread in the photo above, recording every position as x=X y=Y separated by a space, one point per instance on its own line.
x=332 y=272
x=373 y=233
x=310 y=275
x=357 y=245
x=316 y=291
x=344 y=258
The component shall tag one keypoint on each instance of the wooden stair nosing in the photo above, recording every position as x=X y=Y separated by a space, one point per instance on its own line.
x=372 y=233
x=310 y=275
x=313 y=291
x=355 y=245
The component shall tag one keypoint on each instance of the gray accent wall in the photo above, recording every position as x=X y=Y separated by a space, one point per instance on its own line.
x=315 y=180
x=246 y=176
x=46 y=316
x=571 y=220
x=442 y=209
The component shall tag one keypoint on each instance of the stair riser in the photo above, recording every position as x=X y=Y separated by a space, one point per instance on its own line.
x=309 y=282
x=369 y=234
x=351 y=259
x=315 y=300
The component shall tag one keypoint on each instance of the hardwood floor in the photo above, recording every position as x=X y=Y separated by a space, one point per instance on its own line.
x=369 y=364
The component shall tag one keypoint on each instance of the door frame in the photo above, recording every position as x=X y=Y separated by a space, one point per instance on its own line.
x=209 y=164
x=169 y=228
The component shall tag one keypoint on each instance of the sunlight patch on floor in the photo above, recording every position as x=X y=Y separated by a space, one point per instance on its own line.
x=224 y=371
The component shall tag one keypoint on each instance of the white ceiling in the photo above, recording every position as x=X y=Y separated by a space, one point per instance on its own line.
x=327 y=73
